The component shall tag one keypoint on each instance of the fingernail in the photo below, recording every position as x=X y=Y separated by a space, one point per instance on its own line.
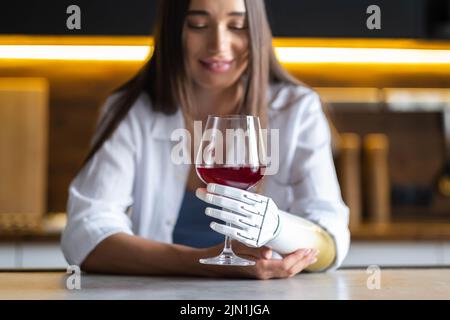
x=314 y=260
x=316 y=252
x=199 y=194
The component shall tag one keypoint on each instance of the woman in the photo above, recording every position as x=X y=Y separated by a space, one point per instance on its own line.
x=211 y=57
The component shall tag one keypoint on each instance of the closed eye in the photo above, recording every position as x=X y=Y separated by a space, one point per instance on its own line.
x=238 y=27
x=197 y=26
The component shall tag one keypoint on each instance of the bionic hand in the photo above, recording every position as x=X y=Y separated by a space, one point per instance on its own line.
x=256 y=221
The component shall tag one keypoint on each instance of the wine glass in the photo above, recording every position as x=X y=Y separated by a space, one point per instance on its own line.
x=231 y=153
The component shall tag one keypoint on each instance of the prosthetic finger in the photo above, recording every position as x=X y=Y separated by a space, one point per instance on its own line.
x=232 y=218
x=235 y=219
x=236 y=194
x=248 y=237
x=227 y=203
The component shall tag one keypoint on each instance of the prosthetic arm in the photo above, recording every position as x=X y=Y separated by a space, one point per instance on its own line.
x=256 y=221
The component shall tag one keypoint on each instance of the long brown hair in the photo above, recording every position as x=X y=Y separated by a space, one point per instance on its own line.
x=165 y=80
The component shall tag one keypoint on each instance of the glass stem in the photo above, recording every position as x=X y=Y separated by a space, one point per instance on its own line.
x=227 y=248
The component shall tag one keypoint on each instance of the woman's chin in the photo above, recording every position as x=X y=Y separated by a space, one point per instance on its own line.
x=214 y=85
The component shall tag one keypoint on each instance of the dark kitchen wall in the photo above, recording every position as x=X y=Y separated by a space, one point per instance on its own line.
x=293 y=18
x=347 y=18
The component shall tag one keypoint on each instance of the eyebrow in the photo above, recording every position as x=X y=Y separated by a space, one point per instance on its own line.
x=206 y=13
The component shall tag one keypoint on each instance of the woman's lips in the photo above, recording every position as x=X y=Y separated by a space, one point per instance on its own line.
x=217 y=66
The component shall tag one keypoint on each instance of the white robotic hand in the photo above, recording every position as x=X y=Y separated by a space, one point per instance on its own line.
x=253 y=219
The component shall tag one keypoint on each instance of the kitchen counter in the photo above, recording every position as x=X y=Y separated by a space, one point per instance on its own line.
x=417 y=283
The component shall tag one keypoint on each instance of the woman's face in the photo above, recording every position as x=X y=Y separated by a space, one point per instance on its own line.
x=216 y=39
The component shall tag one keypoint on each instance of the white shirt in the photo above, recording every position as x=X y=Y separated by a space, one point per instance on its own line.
x=133 y=168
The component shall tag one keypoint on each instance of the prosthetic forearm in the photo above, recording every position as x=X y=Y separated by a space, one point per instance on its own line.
x=296 y=233
x=257 y=221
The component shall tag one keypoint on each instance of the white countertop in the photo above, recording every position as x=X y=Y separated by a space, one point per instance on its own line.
x=423 y=283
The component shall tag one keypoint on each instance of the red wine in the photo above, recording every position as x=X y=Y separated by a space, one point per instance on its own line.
x=237 y=177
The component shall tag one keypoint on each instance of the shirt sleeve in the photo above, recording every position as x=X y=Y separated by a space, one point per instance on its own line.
x=315 y=188
x=101 y=193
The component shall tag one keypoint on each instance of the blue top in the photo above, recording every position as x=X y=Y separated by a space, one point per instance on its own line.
x=192 y=227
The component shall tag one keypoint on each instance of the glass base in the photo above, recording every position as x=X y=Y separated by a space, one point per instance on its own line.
x=228 y=259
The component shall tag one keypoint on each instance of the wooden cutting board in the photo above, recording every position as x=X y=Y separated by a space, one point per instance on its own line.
x=23 y=151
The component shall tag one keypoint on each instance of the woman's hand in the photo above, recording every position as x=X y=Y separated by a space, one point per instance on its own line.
x=265 y=267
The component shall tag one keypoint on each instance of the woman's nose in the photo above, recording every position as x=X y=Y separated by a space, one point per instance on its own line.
x=219 y=41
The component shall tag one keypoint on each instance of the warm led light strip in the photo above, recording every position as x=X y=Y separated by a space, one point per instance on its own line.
x=285 y=54
x=69 y=52
x=362 y=55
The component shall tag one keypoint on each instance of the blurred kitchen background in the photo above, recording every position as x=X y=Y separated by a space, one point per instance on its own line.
x=387 y=93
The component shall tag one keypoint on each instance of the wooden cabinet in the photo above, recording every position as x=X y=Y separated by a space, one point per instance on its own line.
x=398 y=254
x=23 y=151
x=31 y=255
x=7 y=256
